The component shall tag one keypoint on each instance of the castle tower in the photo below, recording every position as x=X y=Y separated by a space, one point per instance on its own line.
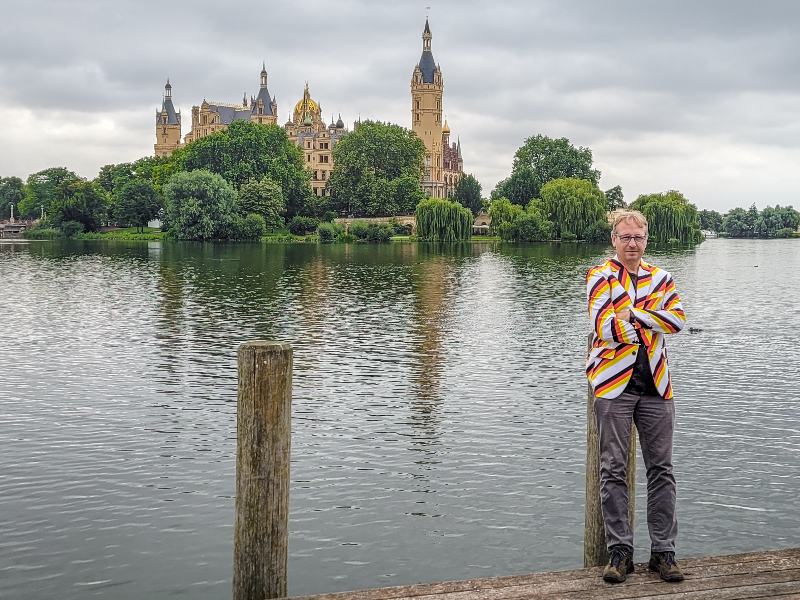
x=263 y=108
x=426 y=114
x=168 y=125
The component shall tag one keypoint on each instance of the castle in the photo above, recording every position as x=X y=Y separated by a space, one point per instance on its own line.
x=443 y=163
x=306 y=128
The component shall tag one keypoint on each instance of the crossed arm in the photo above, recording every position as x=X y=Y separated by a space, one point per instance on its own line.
x=611 y=320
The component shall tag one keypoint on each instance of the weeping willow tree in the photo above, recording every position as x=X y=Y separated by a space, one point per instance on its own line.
x=440 y=220
x=670 y=216
x=573 y=205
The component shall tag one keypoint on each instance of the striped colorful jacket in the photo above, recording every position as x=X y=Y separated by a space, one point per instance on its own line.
x=657 y=310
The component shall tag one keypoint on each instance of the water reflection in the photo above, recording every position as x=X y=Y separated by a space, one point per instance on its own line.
x=438 y=409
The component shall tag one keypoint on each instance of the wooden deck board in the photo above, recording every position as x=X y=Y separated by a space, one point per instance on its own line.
x=774 y=575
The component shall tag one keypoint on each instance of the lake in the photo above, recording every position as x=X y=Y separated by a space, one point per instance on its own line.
x=439 y=409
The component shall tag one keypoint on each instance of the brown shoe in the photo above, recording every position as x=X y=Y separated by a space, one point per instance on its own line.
x=619 y=564
x=664 y=564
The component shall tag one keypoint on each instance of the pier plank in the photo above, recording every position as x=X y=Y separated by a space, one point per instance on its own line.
x=773 y=574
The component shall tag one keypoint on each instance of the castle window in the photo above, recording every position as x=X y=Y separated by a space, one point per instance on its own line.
x=309 y=158
x=315 y=174
x=323 y=175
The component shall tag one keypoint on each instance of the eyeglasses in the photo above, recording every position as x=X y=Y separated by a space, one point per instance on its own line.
x=626 y=239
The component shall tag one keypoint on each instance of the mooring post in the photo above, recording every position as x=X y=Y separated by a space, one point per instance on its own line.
x=595 y=553
x=263 y=441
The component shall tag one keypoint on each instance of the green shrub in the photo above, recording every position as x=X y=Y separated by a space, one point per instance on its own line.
x=252 y=227
x=786 y=232
x=329 y=216
x=358 y=229
x=42 y=234
x=533 y=227
x=70 y=228
x=371 y=232
x=599 y=233
x=300 y=225
x=330 y=232
x=568 y=236
x=379 y=232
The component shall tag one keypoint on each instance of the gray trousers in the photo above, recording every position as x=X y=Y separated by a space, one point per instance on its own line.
x=655 y=421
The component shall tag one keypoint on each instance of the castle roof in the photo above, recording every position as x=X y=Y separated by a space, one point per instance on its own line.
x=172 y=118
x=428 y=66
x=263 y=94
x=426 y=63
x=228 y=113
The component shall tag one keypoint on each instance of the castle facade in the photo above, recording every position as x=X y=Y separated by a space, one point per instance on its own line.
x=307 y=129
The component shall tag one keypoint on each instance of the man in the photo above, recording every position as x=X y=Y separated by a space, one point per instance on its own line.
x=632 y=306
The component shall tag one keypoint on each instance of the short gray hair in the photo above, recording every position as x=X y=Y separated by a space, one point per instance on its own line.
x=623 y=215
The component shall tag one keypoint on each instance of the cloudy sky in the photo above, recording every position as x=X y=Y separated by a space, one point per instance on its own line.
x=698 y=96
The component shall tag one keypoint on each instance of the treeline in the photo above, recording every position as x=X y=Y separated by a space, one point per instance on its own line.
x=236 y=184
x=233 y=184
x=553 y=193
x=779 y=222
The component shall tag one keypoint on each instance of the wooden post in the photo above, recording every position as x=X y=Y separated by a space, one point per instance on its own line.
x=595 y=553
x=263 y=424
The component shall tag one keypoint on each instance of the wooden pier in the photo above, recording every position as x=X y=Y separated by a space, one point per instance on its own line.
x=774 y=575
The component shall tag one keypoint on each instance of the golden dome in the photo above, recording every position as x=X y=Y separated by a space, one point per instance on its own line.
x=313 y=107
x=446 y=128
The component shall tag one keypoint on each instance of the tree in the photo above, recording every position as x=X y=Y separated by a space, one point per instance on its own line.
x=377 y=171
x=200 y=205
x=767 y=223
x=735 y=224
x=468 y=194
x=614 y=199
x=43 y=188
x=530 y=225
x=710 y=220
x=440 y=220
x=138 y=203
x=573 y=205
x=12 y=192
x=670 y=216
x=248 y=151
x=82 y=201
x=502 y=211
x=539 y=160
x=599 y=233
x=263 y=198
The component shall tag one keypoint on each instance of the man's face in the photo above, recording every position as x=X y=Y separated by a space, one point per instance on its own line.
x=631 y=251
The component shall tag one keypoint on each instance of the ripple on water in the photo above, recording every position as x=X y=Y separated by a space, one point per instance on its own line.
x=438 y=410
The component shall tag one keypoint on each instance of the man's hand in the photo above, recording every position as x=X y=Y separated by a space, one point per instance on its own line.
x=624 y=315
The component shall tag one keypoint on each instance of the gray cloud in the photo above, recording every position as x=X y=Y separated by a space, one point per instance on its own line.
x=698 y=96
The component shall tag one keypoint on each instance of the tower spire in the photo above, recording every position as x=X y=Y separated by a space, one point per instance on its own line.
x=426 y=37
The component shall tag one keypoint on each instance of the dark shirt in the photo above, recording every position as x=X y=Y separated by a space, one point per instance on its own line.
x=642 y=382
